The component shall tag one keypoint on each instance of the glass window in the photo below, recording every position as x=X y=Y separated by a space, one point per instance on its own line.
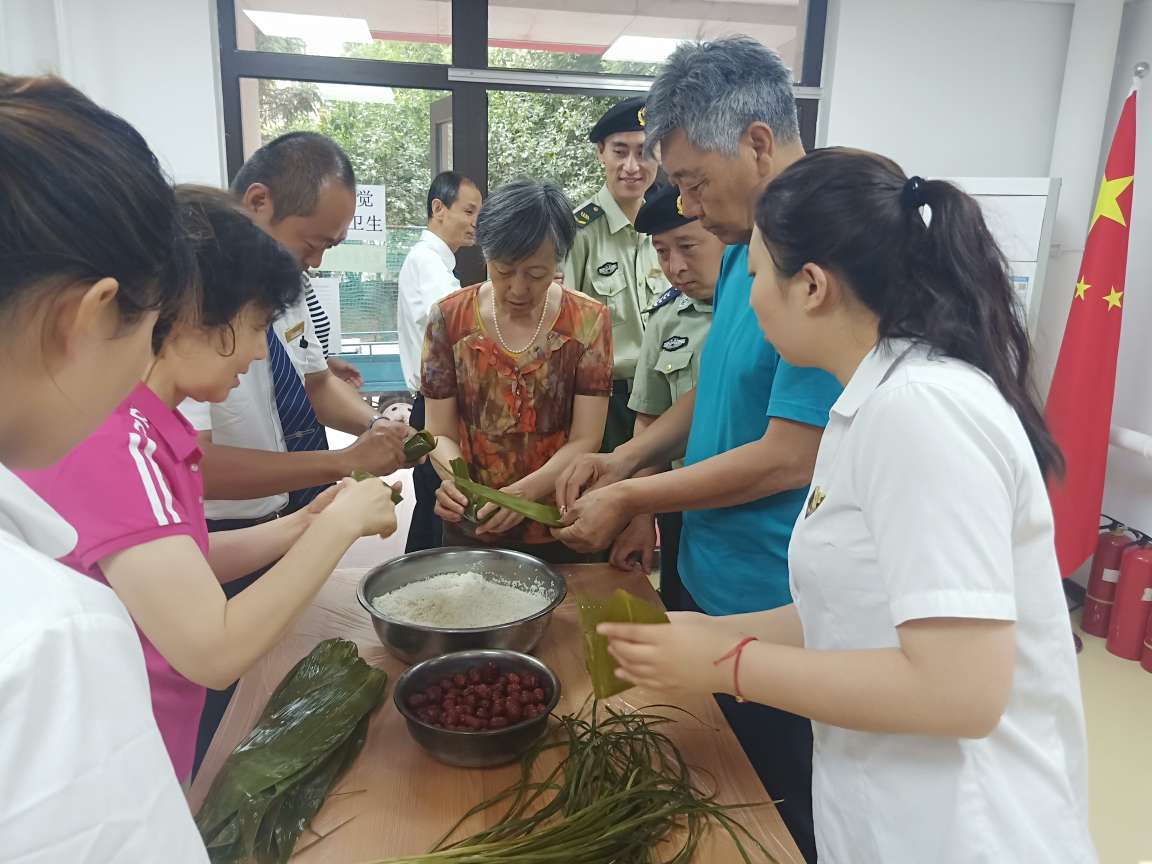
x=545 y=136
x=388 y=135
x=406 y=31
x=631 y=37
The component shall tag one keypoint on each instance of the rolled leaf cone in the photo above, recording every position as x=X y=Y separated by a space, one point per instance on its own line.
x=419 y=446
x=619 y=608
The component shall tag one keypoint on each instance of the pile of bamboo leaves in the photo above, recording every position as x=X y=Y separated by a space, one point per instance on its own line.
x=312 y=729
x=623 y=794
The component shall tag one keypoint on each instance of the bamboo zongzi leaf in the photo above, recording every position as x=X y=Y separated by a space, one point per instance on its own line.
x=419 y=446
x=304 y=799
x=620 y=608
x=537 y=511
x=461 y=473
x=276 y=779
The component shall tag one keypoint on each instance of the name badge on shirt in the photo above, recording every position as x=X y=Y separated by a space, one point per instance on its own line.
x=814 y=501
x=292 y=332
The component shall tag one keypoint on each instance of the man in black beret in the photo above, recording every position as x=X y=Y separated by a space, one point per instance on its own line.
x=669 y=361
x=610 y=260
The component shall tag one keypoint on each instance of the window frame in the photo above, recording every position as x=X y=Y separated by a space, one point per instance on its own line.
x=468 y=80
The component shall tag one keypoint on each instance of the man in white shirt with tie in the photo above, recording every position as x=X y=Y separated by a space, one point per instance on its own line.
x=425 y=279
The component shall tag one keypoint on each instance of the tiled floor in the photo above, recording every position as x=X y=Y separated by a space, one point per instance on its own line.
x=1117 y=704
x=1118 y=710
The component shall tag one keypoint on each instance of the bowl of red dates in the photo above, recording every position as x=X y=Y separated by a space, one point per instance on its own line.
x=477 y=709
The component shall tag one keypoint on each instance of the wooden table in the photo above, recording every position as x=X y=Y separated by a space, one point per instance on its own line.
x=409 y=800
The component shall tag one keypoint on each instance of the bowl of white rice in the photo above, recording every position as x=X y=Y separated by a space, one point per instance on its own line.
x=439 y=601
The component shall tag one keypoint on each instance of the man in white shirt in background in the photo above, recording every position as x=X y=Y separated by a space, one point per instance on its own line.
x=425 y=279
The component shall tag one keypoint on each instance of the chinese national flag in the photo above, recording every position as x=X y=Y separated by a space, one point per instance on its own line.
x=1079 y=407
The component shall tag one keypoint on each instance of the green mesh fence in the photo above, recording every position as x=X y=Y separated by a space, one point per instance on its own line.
x=368 y=276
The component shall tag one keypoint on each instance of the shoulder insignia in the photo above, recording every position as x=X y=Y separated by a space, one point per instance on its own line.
x=674 y=343
x=588 y=214
x=663 y=300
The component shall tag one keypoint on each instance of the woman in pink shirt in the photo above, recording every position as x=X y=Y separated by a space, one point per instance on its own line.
x=133 y=489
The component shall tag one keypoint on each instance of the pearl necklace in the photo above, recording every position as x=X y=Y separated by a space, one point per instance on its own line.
x=539 y=326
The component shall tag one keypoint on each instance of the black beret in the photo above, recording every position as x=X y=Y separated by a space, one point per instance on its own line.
x=662 y=211
x=626 y=116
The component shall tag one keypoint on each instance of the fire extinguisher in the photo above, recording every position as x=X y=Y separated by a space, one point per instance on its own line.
x=1133 y=601
x=1146 y=657
x=1105 y=573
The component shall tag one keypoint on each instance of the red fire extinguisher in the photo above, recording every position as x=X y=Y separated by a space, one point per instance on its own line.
x=1105 y=573
x=1133 y=601
x=1146 y=657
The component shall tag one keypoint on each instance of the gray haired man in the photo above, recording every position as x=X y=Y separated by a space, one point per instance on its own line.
x=723 y=117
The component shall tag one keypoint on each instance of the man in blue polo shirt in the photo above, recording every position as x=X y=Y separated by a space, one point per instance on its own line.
x=724 y=118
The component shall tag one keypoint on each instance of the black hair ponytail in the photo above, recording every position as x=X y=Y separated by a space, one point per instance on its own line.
x=943 y=283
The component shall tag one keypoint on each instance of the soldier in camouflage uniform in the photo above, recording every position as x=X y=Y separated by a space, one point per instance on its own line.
x=610 y=260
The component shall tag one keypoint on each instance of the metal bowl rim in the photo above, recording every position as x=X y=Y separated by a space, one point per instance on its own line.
x=492 y=628
x=407 y=676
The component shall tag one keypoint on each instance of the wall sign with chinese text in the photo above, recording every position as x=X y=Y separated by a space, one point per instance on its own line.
x=368 y=223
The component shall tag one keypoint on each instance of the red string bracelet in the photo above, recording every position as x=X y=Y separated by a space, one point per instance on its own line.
x=736 y=652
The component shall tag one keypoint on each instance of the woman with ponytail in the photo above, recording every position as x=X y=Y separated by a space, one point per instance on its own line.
x=929 y=639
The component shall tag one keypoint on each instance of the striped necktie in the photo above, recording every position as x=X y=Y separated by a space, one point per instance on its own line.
x=302 y=431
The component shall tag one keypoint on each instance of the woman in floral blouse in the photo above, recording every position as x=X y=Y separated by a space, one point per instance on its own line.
x=517 y=371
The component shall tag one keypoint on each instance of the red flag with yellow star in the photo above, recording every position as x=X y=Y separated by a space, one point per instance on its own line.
x=1079 y=407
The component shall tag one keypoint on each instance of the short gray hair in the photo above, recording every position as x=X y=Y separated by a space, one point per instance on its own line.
x=715 y=90
x=521 y=215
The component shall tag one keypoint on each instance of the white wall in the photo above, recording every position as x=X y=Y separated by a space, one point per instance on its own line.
x=27 y=36
x=156 y=64
x=961 y=88
x=1080 y=132
x=972 y=88
x=1128 y=495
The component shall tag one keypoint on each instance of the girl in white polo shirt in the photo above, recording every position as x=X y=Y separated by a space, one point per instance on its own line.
x=929 y=639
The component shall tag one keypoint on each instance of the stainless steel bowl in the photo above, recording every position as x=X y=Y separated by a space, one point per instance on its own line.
x=414 y=642
x=484 y=748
